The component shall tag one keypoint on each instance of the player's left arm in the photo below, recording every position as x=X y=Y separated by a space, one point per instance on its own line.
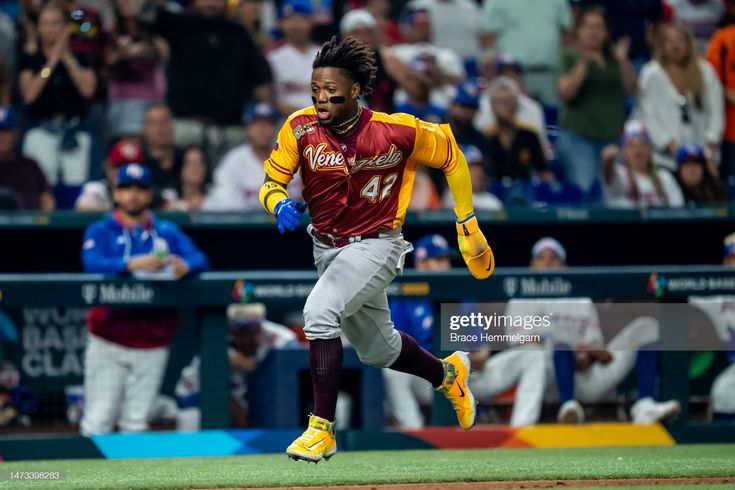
x=436 y=147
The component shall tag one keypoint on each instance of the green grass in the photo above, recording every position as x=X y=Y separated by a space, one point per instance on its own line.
x=389 y=467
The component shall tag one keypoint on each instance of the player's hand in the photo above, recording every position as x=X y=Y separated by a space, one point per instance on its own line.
x=609 y=155
x=288 y=214
x=241 y=362
x=148 y=263
x=474 y=248
x=582 y=360
x=479 y=357
x=178 y=266
x=602 y=356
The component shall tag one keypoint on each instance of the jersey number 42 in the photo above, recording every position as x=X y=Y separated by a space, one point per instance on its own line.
x=374 y=191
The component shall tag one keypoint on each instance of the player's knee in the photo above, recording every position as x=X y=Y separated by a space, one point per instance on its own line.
x=380 y=358
x=319 y=321
x=378 y=361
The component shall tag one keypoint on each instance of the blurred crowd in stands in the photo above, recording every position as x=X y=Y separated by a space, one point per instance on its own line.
x=621 y=103
x=554 y=102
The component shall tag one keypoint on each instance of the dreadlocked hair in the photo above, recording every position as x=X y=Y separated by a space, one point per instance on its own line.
x=351 y=56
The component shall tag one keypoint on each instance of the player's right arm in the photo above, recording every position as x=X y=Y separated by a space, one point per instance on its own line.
x=279 y=170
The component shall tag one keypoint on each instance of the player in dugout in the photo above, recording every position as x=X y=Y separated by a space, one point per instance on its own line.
x=127 y=348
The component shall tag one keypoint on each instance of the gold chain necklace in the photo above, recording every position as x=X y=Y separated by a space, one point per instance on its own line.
x=351 y=123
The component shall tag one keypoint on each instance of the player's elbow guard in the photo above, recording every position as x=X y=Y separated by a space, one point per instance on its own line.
x=271 y=193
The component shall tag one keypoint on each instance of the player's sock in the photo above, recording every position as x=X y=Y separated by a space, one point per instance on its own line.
x=325 y=364
x=646 y=365
x=564 y=368
x=416 y=360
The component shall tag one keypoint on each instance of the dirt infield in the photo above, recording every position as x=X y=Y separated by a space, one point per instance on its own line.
x=632 y=482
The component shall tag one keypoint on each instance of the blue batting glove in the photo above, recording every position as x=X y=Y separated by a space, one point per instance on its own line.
x=288 y=214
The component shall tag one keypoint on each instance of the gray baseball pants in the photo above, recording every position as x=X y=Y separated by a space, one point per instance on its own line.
x=350 y=295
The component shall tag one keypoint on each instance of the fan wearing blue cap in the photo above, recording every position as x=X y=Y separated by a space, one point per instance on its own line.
x=462 y=112
x=238 y=177
x=432 y=254
x=291 y=61
x=637 y=182
x=694 y=173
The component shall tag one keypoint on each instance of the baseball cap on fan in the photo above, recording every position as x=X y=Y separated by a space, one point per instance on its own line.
x=295 y=7
x=416 y=15
x=134 y=174
x=690 y=153
x=8 y=119
x=508 y=62
x=468 y=94
x=472 y=154
x=635 y=129
x=431 y=247
x=548 y=243
x=357 y=19
x=261 y=110
x=124 y=152
x=248 y=315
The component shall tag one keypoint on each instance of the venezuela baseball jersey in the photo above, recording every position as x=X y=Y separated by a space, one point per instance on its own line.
x=361 y=183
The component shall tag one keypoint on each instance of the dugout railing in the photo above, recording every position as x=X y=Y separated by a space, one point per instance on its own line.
x=206 y=296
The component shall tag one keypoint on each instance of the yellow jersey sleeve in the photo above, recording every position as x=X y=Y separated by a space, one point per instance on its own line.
x=436 y=147
x=284 y=160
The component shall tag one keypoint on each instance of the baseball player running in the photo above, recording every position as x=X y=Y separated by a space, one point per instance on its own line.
x=357 y=167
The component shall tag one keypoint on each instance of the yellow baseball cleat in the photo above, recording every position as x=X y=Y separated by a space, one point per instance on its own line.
x=316 y=443
x=457 y=389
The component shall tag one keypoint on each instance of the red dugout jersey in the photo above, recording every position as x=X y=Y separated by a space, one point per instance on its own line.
x=362 y=183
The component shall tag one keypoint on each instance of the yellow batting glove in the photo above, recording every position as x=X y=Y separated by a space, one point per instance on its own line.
x=474 y=248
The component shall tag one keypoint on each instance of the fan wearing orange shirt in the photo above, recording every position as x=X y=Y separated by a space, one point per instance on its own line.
x=721 y=55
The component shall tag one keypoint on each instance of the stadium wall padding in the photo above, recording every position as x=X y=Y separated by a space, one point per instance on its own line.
x=512 y=232
x=258 y=441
